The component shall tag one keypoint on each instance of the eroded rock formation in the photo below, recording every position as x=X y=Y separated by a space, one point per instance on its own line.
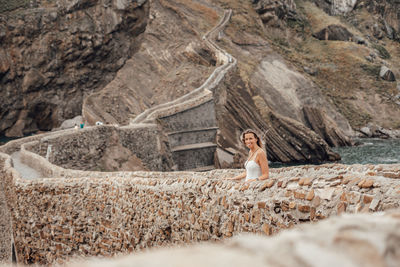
x=319 y=122
x=337 y=7
x=274 y=12
x=389 y=11
x=53 y=55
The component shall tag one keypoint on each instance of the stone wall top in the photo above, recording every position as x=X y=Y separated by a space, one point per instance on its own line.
x=126 y=211
x=348 y=240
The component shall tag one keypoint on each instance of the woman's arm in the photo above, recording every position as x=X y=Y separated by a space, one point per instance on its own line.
x=238 y=177
x=263 y=162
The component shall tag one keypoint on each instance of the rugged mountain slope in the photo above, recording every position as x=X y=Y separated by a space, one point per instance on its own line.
x=53 y=55
x=286 y=83
x=172 y=61
x=346 y=72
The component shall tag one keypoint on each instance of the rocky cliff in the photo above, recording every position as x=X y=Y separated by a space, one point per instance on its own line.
x=349 y=49
x=55 y=53
x=303 y=93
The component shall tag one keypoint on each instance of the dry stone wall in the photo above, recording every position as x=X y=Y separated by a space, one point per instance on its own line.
x=55 y=219
x=364 y=240
x=83 y=149
x=5 y=222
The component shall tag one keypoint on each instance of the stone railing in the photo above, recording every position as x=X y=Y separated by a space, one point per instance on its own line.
x=55 y=219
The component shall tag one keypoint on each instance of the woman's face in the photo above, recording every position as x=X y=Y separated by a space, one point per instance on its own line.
x=250 y=140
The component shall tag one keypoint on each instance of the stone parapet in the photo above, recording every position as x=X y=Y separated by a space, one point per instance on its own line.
x=55 y=219
x=83 y=149
x=348 y=240
x=5 y=217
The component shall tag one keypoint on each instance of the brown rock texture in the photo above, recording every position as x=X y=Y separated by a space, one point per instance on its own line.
x=324 y=126
x=172 y=61
x=337 y=241
x=55 y=53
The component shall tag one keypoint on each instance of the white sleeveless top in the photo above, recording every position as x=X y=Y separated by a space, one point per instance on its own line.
x=253 y=170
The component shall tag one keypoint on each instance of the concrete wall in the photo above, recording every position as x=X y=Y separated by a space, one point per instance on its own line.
x=55 y=219
x=193 y=158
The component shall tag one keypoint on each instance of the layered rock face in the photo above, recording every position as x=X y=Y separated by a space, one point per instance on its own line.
x=53 y=55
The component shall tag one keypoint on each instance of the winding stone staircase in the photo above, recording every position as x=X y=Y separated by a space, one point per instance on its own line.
x=189 y=122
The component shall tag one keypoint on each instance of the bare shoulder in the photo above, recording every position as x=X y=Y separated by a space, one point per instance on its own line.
x=261 y=154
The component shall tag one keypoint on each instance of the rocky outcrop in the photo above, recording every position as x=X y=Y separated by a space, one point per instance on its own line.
x=389 y=12
x=286 y=91
x=337 y=7
x=286 y=140
x=272 y=12
x=376 y=131
x=386 y=74
x=334 y=33
x=324 y=126
x=388 y=24
x=53 y=55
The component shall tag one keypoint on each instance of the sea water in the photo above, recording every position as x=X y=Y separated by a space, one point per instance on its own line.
x=371 y=151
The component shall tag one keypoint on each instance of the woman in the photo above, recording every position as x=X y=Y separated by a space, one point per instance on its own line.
x=257 y=163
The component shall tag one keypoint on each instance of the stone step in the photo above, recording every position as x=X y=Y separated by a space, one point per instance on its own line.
x=187 y=137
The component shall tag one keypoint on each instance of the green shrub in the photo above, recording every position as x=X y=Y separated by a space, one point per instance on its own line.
x=372 y=70
x=382 y=52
